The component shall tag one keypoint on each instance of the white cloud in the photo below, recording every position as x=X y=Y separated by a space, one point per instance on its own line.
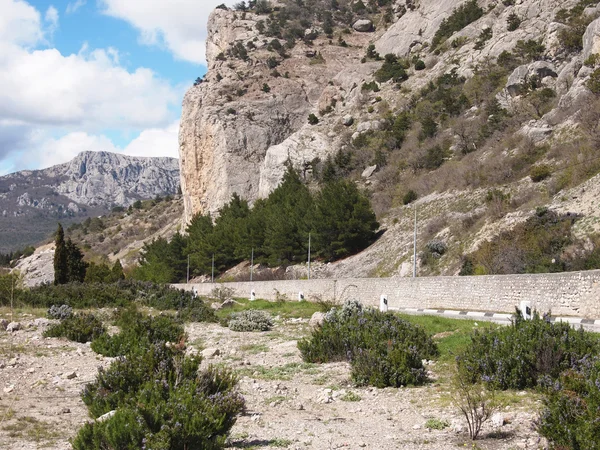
x=53 y=106
x=179 y=25
x=89 y=90
x=51 y=18
x=73 y=7
x=19 y=23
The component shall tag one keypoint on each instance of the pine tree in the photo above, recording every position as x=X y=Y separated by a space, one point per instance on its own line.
x=61 y=274
x=286 y=220
x=343 y=220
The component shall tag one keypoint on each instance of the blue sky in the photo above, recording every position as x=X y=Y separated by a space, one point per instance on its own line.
x=109 y=75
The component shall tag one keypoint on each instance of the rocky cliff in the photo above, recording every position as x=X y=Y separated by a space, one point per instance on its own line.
x=32 y=202
x=530 y=65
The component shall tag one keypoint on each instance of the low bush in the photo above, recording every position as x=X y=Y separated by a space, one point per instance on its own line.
x=250 y=320
x=81 y=327
x=161 y=401
x=119 y=294
x=392 y=69
x=540 y=172
x=138 y=331
x=60 y=312
x=571 y=404
x=383 y=349
x=525 y=353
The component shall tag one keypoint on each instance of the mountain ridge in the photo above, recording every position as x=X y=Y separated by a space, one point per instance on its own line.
x=91 y=184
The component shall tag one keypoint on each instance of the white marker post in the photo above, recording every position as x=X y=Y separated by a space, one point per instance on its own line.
x=252 y=295
x=383 y=303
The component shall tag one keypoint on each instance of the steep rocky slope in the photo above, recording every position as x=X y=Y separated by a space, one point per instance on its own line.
x=32 y=202
x=520 y=64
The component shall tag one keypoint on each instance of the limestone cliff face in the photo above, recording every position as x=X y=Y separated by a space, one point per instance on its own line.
x=249 y=116
x=242 y=124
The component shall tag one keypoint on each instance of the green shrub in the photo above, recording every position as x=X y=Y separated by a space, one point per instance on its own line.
x=513 y=22
x=521 y=355
x=460 y=18
x=371 y=86
x=250 y=320
x=161 y=401
x=436 y=424
x=409 y=197
x=312 y=119
x=138 y=331
x=593 y=83
x=571 y=404
x=383 y=349
x=420 y=65
x=81 y=327
x=540 y=172
x=392 y=69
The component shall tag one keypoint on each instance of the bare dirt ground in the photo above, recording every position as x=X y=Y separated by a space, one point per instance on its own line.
x=290 y=404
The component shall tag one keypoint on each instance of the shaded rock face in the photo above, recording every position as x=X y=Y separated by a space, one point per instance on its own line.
x=33 y=201
x=237 y=135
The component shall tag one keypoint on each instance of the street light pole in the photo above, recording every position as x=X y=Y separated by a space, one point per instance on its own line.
x=415 y=247
x=309 y=256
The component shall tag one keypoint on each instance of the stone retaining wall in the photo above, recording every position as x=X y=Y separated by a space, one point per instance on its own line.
x=565 y=294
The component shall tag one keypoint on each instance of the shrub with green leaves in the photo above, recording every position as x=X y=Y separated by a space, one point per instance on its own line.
x=569 y=419
x=250 y=320
x=80 y=327
x=521 y=355
x=383 y=349
x=540 y=172
x=161 y=401
x=460 y=18
x=138 y=331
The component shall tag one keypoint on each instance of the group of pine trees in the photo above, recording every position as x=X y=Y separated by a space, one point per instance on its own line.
x=69 y=265
x=275 y=230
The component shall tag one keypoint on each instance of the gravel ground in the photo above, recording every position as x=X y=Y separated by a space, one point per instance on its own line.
x=290 y=404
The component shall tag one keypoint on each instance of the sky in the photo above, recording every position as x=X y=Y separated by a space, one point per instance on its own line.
x=100 y=75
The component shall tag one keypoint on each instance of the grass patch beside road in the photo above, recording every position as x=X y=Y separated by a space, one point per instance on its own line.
x=286 y=310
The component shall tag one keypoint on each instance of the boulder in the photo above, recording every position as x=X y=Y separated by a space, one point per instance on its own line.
x=363 y=25
x=316 y=319
x=519 y=76
x=3 y=324
x=369 y=171
x=348 y=120
x=13 y=326
x=106 y=416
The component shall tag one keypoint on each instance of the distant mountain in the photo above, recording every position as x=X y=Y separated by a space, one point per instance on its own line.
x=33 y=201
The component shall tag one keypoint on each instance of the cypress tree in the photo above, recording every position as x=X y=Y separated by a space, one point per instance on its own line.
x=61 y=274
x=117 y=271
x=76 y=266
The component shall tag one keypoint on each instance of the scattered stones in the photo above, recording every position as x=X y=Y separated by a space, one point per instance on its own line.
x=65 y=411
x=210 y=352
x=348 y=120
x=3 y=324
x=70 y=375
x=12 y=362
x=9 y=389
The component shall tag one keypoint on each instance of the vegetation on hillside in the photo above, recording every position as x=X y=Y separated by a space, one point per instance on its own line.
x=276 y=231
